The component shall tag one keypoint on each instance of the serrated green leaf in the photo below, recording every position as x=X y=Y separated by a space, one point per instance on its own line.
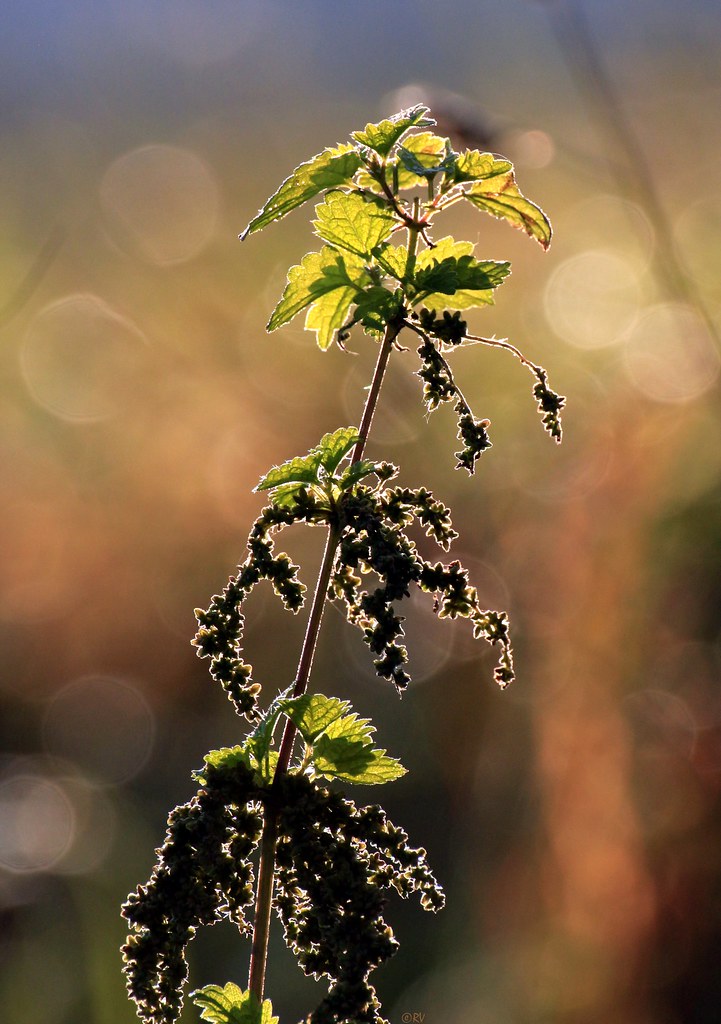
x=304 y=470
x=354 y=222
x=341 y=742
x=301 y=470
x=329 y=313
x=459 y=281
x=257 y=746
x=427 y=150
x=329 y=169
x=352 y=728
x=313 y=713
x=441 y=250
x=383 y=136
x=332 y=448
x=357 y=471
x=502 y=198
x=225 y=757
x=472 y=165
x=317 y=274
x=421 y=164
x=375 y=307
x=230 y=1005
x=392 y=259
x=353 y=761
x=285 y=495
x=441 y=276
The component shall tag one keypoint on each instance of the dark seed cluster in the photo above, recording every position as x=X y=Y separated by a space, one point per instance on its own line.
x=203 y=875
x=474 y=435
x=373 y=540
x=549 y=405
x=439 y=384
x=449 y=328
x=334 y=861
x=221 y=625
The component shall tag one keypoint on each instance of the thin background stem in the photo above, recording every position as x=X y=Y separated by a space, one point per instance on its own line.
x=632 y=175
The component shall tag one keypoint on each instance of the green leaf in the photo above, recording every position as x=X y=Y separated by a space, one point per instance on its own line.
x=459 y=281
x=500 y=196
x=326 y=170
x=258 y=745
x=354 y=222
x=341 y=742
x=375 y=307
x=383 y=136
x=285 y=495
x=225 y=757
x=329 y=313
x=313 y=713
x=421 y=151
x=476 y=166
x=392 y=259
x=423 y=157
x=317 y=274
x=332 y=448
x=296 y=471
x=463 y=298
x=357 y=471
x=305 y=469
x=230 y=1005
x=351 y=728
x=339 y=757
x=443 y=248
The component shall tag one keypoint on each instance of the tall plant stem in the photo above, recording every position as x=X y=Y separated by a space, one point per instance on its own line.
x=266 y=869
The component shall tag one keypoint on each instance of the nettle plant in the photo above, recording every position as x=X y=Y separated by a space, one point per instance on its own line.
x=264 y=830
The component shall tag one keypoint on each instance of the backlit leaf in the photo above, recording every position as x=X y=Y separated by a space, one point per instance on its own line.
x=225 y=757
x=421 y=164
x=313 y=713
x=375 y=307
x=357 y=471
x=352 y=761
x=230 y=1005
x=383 y=136
x=443 y=248
x=459 y=281
x=500 y=196
x=341 y=742
x=299 y=470
x=417 y=154
x=392 y=259
x=354 y=222
x=329 y=169
x=317 y=274
x=333 y=447
x=329 y=313
x=472 y=165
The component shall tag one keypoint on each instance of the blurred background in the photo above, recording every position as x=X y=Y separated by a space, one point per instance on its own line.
x=575 y=819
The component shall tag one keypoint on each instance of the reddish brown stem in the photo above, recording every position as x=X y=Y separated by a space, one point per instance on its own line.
x=266 y=868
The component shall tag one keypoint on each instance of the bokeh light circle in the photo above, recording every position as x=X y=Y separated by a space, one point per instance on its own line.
x=161 y=203
x=102 y=724
x=81 y=359
x=37 y=822
x=696 y=232
x=669 y=355
x=592 y=299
